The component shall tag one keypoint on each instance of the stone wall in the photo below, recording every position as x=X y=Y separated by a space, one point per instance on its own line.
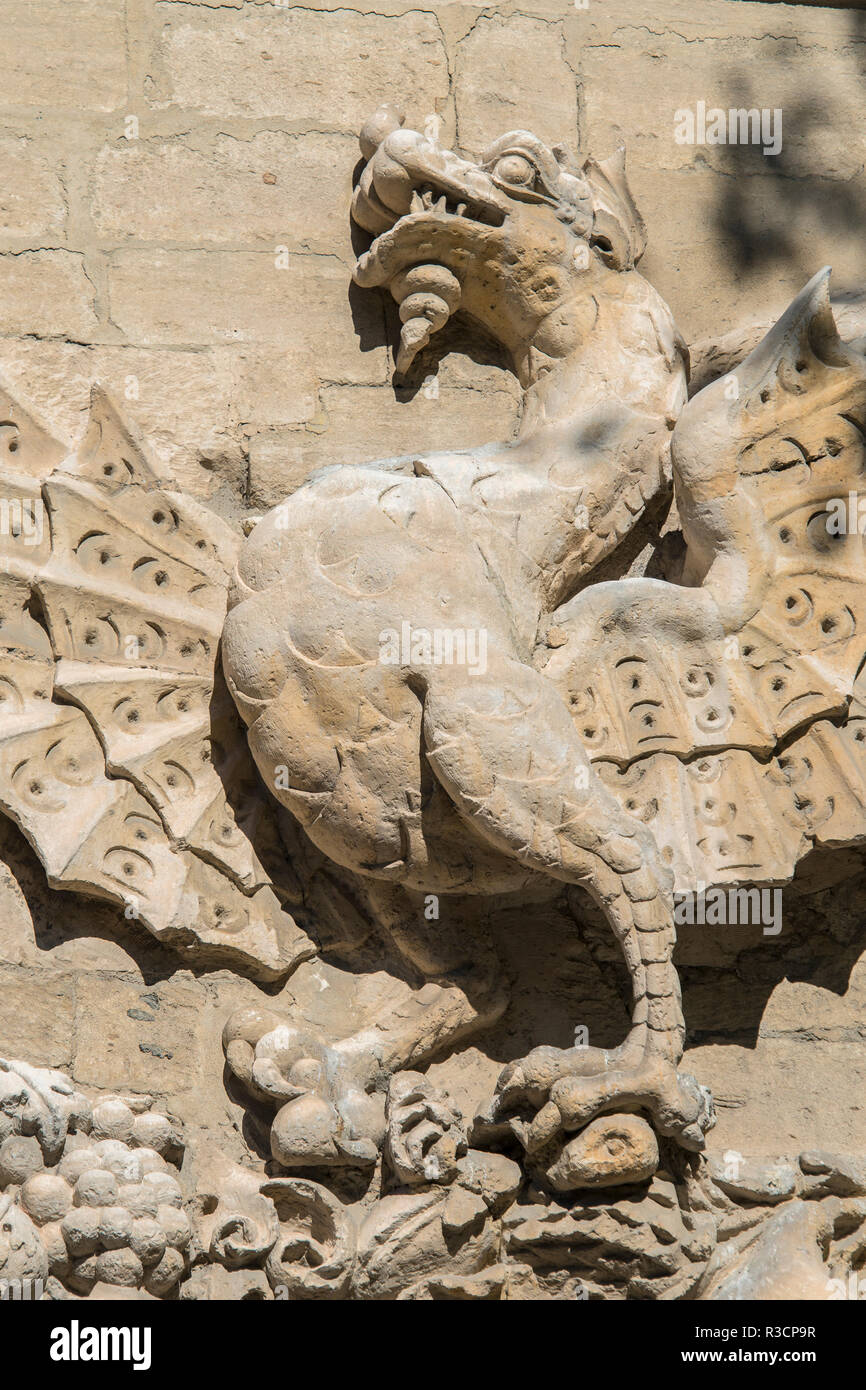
x=175 y=177
x=174 y=184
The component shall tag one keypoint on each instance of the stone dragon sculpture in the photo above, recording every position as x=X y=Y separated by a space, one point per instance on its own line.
x=696 y=722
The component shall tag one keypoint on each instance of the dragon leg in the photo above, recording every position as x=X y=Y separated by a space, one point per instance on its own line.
x=504 y=746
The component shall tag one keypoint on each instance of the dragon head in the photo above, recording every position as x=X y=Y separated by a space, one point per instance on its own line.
x=521 y=241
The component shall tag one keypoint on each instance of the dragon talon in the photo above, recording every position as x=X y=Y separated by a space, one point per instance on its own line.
x=543 y=1128
x=676 y=1104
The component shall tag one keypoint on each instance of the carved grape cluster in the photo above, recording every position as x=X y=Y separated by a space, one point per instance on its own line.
x=102 y=1207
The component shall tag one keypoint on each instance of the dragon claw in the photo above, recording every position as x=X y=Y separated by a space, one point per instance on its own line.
x=565 y=1101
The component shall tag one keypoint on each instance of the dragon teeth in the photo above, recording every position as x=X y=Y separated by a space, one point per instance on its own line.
x=424 y=202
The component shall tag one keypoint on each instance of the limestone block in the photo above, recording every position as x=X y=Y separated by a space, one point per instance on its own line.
x=36 y=1016
x=355 y=424
x=497 y=87
x=115 y=1049
x=46 y=293
x=66 y=54
x=268 y=188
x=732 y=214
x=230 y=64
x=32 y=202
x=768 y=1095
x=192 y=298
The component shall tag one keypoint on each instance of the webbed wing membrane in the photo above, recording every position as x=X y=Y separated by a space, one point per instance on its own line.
x=730 y=713
x=121 y=758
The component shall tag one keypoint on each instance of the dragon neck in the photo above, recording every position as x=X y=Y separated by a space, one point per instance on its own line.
x=604 y=383
x=619 y=343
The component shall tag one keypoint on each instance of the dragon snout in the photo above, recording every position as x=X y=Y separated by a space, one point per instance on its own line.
x=415 y=196
x=410 y=172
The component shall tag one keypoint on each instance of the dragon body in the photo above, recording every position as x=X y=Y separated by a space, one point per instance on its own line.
x=434 y=679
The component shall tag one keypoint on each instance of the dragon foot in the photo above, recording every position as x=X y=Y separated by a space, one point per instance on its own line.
x=567 y=1090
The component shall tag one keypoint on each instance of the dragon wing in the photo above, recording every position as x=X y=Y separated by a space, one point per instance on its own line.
x=121 y=757
x=729 y=712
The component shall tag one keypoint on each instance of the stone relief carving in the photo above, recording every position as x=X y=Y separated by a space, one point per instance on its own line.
x=466 y=673
x=89 y=1194
x=93 y=1203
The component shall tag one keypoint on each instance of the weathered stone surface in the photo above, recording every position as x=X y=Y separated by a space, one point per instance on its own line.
x=174 y=225
x=348 y=421
x=165 y=299
x=267 y=188
x=752 y=1181
x=32 y=203
x=66 y=54
x=485 y=103
x=46 y=294
x=737 y=222
x=611 y=1151
x=829 y=1173
x=778 y=1082
x=115 y=1049
x=229 y=64
x=784 y=1261
x=36 y=1015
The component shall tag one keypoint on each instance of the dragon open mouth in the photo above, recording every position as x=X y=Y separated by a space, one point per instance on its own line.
x=427 y=200
x=430 y=209
x=422 y=255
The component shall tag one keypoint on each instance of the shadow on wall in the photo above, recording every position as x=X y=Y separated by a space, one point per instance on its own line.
x=759 y=231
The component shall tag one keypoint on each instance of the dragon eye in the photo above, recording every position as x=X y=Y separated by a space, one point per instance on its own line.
x=516 y=169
